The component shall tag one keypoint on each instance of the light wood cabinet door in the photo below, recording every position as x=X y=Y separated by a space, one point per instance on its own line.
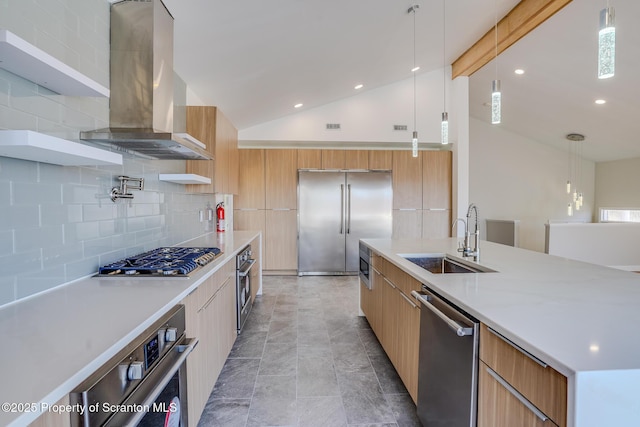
x=356 y=159
x=408 y=343
x=540 y=384
x=256 y=270
x=407 y=224
x=390 y=318
x=54 y=419
x=309 y=159
x=380 y=160
x=375 y=316
x=251 y=180
x=211 y=126
x=234 y=165
x=499 y=407
x=281 y=240
x=281 y=179
x=436 y=179
x=196 y=387
x=201 y=124
x=333 y=159
x=436 y=224
x=407 y=184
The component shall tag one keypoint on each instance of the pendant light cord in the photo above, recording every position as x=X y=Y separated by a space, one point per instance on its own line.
x=444 y=61
x=414 y=66
x=495 y=19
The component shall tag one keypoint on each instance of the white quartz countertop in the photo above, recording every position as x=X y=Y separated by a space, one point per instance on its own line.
x=579 y=318
x=55 y=340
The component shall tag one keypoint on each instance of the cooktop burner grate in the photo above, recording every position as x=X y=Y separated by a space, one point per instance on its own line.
x=169 y=261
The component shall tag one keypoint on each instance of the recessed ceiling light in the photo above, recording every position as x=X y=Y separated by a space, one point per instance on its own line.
x=414 y=69
x=600 y=101
x=519 y=71
x=297 y=106
x=359 y=86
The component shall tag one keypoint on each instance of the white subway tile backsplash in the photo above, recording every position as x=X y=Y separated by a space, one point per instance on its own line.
x=6 y=243
x=58 y=224
x=38 y=281
x=36 y=193
x=7 y=289
x=40 y=237
x=21 y=263
x=19 y=217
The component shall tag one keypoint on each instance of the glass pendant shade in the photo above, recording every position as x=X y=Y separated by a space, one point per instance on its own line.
x=568 y=187
x=606 y=44
x=414 y=144
x=496 y=101
x=444 y=129
x=569 y=210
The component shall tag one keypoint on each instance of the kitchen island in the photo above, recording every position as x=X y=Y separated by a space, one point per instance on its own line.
x=579 y=318
x=55 y=340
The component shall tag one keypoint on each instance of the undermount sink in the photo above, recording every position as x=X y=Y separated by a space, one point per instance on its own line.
x=444 y=264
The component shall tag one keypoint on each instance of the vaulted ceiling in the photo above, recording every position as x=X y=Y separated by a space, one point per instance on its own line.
x=256 y=59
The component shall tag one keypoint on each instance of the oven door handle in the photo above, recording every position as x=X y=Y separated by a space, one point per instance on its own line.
x=244 y=269
x=185 y=349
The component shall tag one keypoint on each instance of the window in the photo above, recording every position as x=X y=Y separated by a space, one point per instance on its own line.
x=619 y=215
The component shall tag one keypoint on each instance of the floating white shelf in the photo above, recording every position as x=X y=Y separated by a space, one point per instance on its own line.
x=24 y=59
x=184 y=178
x=38 y=147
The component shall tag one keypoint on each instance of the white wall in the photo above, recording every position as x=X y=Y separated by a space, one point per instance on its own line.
x=366 y=117
x=617 y=184
x=512 y=177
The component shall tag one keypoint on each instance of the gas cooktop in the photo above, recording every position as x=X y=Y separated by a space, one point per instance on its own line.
x=161 y=262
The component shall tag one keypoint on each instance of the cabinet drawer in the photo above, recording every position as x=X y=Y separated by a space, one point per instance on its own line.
x=543 y=386
x=399 y=278
x=501 y=406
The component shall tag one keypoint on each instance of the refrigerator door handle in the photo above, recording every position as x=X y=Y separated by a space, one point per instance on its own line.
x=341 y=208
x=348 y=208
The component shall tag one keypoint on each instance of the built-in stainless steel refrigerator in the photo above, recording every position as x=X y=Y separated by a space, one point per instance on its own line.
x=335 y=210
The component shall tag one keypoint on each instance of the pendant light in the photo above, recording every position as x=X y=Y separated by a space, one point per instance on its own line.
x=607 y=43
x=576 y=197
x=444 y=126
x=496 y=95
x=414 y=140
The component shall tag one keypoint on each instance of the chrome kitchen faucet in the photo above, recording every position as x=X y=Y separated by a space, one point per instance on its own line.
x=466 y=249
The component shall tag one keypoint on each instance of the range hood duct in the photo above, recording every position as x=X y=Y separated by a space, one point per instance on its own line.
x=141 y=106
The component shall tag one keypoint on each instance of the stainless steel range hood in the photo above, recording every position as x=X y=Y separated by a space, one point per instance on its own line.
x=141 y=104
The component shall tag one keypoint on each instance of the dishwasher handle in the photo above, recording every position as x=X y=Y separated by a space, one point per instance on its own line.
x=460 y=330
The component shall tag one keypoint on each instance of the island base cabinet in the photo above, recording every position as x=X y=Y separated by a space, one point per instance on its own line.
x=54 y=419
x=499 y=406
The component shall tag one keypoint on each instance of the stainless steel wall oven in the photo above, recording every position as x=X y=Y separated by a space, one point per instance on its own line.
x=244 y=264
x=144 y=384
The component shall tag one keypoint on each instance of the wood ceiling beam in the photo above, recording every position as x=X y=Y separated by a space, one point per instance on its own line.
x=519 y=22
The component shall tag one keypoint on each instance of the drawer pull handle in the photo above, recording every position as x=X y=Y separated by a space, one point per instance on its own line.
x=390 y=284
x=517 y=395
x=517 y=347
x=408 y=300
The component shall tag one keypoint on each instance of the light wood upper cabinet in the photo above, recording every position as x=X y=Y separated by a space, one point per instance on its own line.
x=211 y=126
x=407 y=188
x=281 y=177
x=201 y=124
x=333 y=159
x=251 y=180
x=436 y=179
x=309 y=159
x=356 y=159
x=380 y=159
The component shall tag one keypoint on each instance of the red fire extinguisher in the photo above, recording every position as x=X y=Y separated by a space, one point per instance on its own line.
x=220 y=215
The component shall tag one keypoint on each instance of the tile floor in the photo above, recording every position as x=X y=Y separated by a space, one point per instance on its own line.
x=305 y=358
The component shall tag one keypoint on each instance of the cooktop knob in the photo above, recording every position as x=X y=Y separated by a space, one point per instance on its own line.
x=134 y=372
x=171 y=335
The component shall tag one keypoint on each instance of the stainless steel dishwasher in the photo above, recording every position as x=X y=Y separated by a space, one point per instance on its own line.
x=448 y=365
